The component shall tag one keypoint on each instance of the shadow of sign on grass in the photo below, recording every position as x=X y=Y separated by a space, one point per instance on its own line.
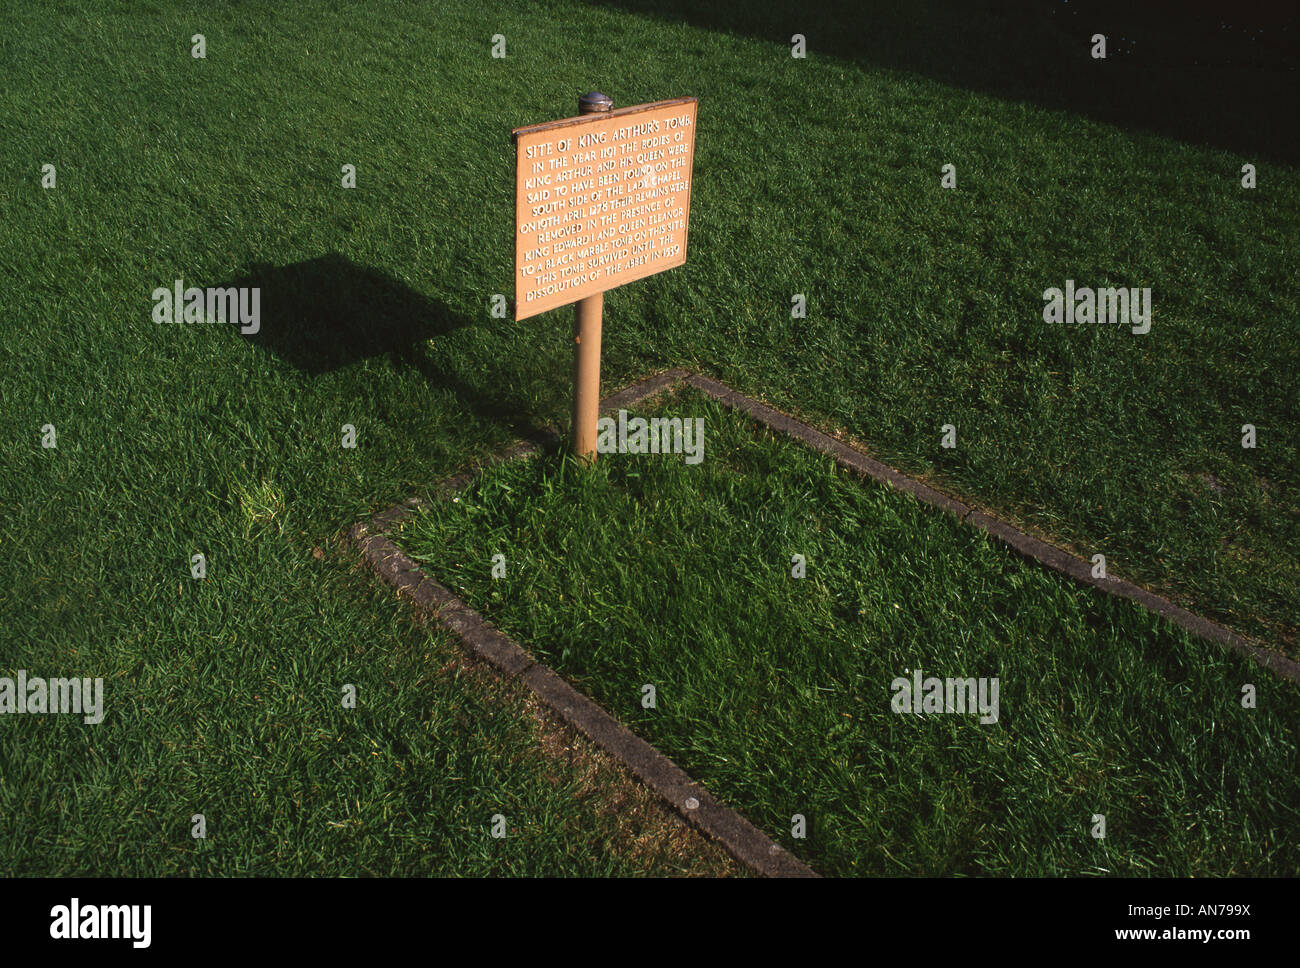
x=328 y=313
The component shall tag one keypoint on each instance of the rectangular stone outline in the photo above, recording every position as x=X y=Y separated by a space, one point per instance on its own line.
x=1025 y=544
x=745 y=842
x=738 y=836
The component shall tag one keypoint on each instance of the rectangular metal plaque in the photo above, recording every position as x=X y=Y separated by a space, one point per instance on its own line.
x=600 y=200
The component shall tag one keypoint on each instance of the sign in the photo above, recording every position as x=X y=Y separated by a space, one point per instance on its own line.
x=600 y=200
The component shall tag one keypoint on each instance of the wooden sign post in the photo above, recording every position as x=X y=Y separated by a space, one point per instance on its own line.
x=600 y=200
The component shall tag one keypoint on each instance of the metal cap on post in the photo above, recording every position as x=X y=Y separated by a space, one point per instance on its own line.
x=594 y=103
x=586 y=337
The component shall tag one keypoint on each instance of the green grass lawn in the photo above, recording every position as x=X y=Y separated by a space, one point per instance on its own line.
x=775 y=691
x=816 y=176
x=224 y=698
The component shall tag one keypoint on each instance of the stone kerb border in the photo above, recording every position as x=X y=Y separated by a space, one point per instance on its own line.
x=692 y=801
x=745 y=842
x=1027 y=545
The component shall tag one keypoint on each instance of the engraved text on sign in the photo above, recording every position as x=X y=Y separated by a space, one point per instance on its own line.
x=600 y=200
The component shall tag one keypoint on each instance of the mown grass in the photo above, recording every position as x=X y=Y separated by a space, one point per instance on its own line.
x=775 y=690
x=225 y=698
x=818 y=176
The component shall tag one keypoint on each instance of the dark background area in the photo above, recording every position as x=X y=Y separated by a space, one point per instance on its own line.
x=1209 y=72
